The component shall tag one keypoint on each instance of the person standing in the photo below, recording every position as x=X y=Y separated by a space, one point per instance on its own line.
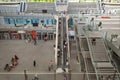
x=34 y=63
x=93 y=41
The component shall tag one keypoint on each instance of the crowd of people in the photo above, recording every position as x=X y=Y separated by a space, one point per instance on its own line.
x=13 y=64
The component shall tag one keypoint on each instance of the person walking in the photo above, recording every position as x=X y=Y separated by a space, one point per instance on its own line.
x=25 y=74
x=34 y=63
x=35 y=42
x=51 y=64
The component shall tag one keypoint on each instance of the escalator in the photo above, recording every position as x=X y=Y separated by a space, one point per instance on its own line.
x=85 y=58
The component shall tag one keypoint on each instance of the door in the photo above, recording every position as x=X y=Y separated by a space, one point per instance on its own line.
x=39 y=36
x=1 y=36
x=50 y=36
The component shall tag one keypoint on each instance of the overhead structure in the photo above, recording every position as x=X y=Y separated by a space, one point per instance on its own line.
x=61 y=5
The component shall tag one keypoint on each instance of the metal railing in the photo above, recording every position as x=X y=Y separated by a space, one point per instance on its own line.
x=91 y=54
x=82 y=50
x=76 y=33
x=111 y=60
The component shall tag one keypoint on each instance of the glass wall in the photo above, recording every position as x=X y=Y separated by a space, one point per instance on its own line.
x=55 y=0
x=27 y=0
x=88 y=0
x=115 y=1
x=40 y=0
x=82 y=0
x=73 y=0
x=93 y=0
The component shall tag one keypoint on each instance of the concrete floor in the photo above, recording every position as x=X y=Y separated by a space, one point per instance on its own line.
x=43 y=52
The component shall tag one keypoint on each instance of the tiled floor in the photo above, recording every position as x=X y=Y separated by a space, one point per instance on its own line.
x=43 y=52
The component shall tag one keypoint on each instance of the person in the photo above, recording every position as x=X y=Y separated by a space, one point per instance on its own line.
x=16 y=57
x=6 y=66
x=34 y=63
x=15 y=63
x=51 y=64
x=49 y=68
x=54 y=47
x=45 y=37
x=64 y=41
x=35 y=41
x=67 y=63
x=93 y=41
x=29 y=39
x=64 y=69
x=12 y=60
x=72 y=37
x=11 y=66
x=65 y=77
x=35 y=78
x=25 y=74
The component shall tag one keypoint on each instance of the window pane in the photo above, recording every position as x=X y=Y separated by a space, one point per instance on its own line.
x=73 y=0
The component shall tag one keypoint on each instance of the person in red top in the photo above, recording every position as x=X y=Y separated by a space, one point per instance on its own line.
x=34 y=37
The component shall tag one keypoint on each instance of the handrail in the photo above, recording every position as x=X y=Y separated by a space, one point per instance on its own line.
x=82 y=50
x=115 y=65
x=62 y=35
x=68 y=47
x=78 y=55
x=91 y=54
x=68 y=37
x=110 y=57
x=106 y=49
x=82 y=55
x=56 y=41
x=77 y=49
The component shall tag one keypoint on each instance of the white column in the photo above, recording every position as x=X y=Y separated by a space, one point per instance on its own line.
x=56 y=40
x=68 y=53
